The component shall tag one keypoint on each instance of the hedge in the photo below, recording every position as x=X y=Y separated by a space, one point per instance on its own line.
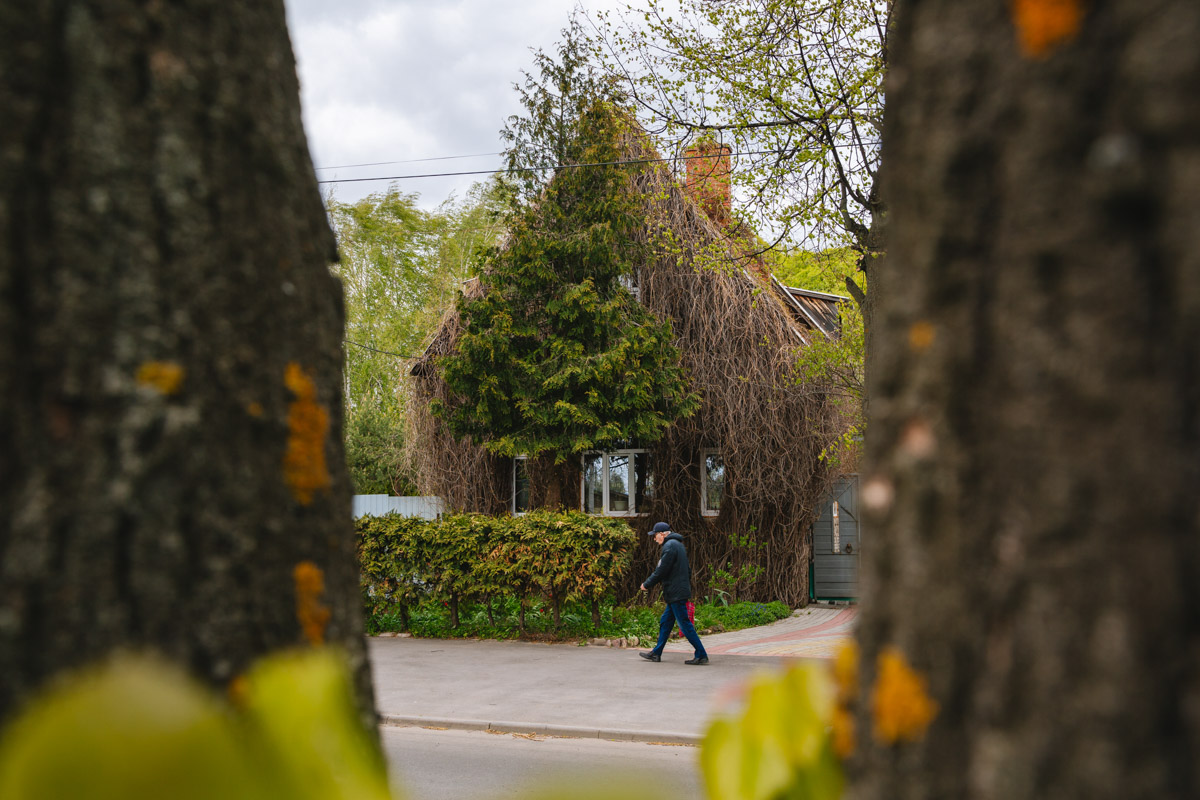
x=560 y=556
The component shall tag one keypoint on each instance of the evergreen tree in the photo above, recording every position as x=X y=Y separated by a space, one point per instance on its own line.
x=557 y=356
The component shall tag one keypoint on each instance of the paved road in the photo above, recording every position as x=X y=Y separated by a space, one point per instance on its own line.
x=595 y=692
x=475 y=765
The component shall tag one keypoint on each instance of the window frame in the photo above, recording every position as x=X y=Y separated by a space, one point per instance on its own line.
x=631 y=281
x=704 y=455
x=631 y=453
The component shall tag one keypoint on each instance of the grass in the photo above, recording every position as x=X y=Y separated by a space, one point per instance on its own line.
x=431 y=620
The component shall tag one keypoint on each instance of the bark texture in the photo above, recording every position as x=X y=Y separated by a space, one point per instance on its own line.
x=170 y=346
x=1034 y=449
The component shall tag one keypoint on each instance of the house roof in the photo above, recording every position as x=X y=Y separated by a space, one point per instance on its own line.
x=816 y=310
x=809 y=310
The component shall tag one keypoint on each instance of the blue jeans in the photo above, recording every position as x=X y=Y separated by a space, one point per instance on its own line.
x=677 y=612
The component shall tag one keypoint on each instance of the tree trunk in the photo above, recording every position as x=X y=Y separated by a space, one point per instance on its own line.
x=1033 y=455
x=170 y=347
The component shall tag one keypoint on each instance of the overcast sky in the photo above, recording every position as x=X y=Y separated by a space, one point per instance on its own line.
x=397 y=80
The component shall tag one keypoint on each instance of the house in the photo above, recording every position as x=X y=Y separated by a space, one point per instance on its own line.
x=742 y=479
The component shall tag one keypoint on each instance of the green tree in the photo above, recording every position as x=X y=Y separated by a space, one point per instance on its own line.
x=824 y=271
x=555 y=100
x=401 y=267
x=794 y=85
x=835 y=363
x=557 y=356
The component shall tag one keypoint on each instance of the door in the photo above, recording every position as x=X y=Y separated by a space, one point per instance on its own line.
x=836 y=540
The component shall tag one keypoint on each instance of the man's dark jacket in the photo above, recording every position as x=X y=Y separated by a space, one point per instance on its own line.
x=672 y=571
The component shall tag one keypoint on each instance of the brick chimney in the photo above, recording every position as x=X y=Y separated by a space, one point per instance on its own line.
x=708 y=179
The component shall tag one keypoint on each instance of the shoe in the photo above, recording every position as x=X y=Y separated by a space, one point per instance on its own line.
x=701 y=660
x=652 y=657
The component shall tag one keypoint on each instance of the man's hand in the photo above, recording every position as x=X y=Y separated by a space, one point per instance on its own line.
x=643 y=587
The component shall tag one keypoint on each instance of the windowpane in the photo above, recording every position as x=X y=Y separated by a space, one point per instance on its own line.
x=618 y=483
x=593 y=484
x=520 y=487
x=643 y=475
x=714 y=482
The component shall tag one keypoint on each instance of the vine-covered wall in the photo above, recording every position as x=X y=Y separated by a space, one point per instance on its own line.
x=774 y=428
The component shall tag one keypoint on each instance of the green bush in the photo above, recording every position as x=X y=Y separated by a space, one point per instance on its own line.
x=739 y=615
x=470 y=558
x=431 y=619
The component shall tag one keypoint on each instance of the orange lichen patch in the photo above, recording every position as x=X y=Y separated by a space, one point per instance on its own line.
x=843 y=733
x=254 y=409
x=845 y=672
x=313 y=616
x=304 y=466
x=1042 y=25
x=900 y=703
x=845 y=677
x=920 y=336
x=237 y=690
x=165 y=377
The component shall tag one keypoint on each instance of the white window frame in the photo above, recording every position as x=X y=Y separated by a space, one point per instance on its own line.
x=704 y=454
x=632 y=284
x=512 y=495
x=632 y=454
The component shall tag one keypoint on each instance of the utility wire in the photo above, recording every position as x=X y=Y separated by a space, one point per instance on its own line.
x=409 y=161
x=554 y=166
x=377 y=350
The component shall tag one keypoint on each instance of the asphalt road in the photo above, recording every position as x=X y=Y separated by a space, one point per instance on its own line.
x=476 y=765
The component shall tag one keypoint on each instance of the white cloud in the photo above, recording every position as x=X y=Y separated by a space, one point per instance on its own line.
x=395 y=80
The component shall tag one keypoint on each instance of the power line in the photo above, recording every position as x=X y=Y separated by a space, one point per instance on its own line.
x=377 y=350
x=558 y=166
x=409 y=161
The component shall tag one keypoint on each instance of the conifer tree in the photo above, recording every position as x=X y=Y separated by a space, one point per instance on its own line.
x=557 y=356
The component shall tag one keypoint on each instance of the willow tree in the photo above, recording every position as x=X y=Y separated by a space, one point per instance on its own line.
x=171 y=470
x=1034 y=450
x=401 y=267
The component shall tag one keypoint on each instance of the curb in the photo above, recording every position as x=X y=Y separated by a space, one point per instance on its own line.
x=569 y=731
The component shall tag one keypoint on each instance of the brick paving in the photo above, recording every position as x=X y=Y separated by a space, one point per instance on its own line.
x=814 y=632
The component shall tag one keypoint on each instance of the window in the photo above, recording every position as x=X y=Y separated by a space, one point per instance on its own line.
x=630 y=282
x=520 y=486
x=712 y=482
x=618 y=482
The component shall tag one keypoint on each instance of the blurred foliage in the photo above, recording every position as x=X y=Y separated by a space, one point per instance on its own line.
x=137 y=728
x=780 y=746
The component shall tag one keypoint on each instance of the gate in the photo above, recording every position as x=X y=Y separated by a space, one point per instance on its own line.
x=836 y=539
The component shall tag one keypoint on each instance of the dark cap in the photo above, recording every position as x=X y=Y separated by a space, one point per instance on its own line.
x=659 y=527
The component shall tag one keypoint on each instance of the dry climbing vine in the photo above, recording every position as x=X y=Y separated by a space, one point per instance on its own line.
x=740 y=344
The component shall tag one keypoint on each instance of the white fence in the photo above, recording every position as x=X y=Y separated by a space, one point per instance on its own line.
x=379 y=505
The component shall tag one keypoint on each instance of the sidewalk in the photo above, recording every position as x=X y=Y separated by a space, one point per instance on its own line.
x=587 y=692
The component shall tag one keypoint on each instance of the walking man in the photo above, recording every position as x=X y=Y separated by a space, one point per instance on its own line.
x=675 y=575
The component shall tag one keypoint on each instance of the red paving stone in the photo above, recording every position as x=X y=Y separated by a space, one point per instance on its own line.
x=811 y=633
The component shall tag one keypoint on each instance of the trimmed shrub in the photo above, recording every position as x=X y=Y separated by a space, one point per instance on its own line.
x=560 y=556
